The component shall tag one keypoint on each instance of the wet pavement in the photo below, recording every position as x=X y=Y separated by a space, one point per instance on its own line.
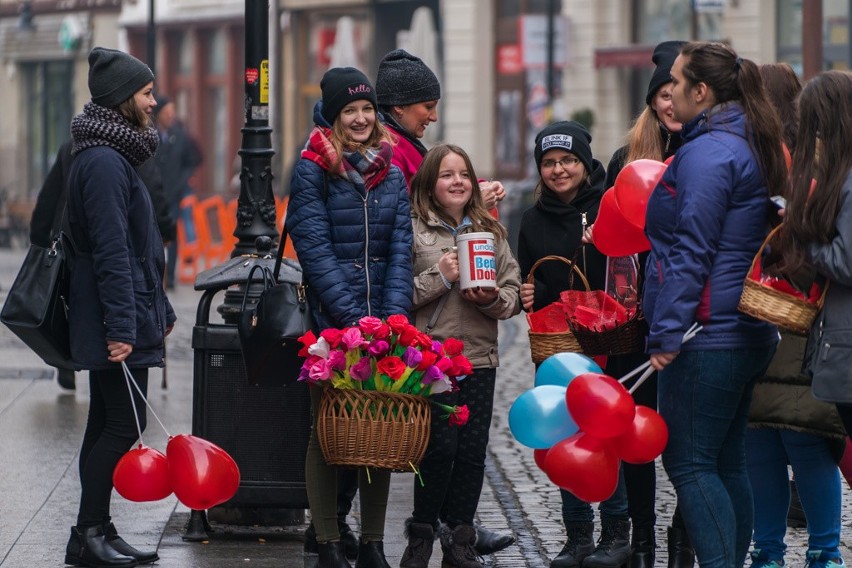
x=41 y=426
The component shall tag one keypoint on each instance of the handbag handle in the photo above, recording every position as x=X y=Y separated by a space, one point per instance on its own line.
x=278 y=257
x=572 y=265
x=266 y=276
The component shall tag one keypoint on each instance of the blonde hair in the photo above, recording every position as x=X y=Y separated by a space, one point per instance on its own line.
x=643 y=139
x=423 y=187
x=341 y=140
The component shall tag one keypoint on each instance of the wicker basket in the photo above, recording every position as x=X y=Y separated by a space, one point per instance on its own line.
x=545 y=344
x=768 y=304
x=373 y=429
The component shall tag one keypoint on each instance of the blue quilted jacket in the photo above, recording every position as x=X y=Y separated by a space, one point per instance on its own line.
x=706 y=220
x=354 y=246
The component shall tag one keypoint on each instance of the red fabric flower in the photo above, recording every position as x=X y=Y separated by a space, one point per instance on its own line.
x=408 y=335
x=369 y=325
x=444 y=364
x=391 y=366
x=332 y=335
x=459 y=416
x=461 y=366
x=428 y=360
x=422 y=340
x=306 y=340
x=383 y=332
x=453 y=347
x=398 y=322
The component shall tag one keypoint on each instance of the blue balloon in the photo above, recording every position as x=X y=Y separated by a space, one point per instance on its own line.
x=560 y=369
x=539 y=417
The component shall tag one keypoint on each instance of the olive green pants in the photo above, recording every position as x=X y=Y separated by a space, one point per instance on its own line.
x=322 y=489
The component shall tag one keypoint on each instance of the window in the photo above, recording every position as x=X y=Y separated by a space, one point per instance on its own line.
x=835 y=33
x=48 y=117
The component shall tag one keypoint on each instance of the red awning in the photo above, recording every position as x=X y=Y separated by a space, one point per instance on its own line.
x=624 y=56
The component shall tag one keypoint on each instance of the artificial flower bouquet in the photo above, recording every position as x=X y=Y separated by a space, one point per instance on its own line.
x=387 y=356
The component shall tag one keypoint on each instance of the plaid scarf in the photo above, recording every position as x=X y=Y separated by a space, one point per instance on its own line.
x=364 y=170
x=100 y=126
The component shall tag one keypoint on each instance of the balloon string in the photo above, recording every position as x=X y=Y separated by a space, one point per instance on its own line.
x=690 y=333
x=145 y=400
x=132 y=400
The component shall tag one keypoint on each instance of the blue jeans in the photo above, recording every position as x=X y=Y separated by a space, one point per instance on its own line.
x=704 y=398
x=768 y=451
x=574 y=510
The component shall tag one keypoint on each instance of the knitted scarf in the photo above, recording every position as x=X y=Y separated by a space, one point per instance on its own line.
x=364 y=170
x=100 y=126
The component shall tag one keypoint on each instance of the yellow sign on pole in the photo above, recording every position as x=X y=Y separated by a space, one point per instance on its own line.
x=264 y=82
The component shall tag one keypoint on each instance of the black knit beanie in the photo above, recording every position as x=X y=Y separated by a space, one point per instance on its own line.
x=567 y=135
x=342 y=85
x=404 y=79
x=664 y=56
x=115 y=76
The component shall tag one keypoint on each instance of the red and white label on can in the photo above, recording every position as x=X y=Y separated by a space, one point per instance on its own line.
x=477 y=263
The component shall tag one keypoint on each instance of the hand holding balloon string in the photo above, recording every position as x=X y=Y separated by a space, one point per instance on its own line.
x=690 y=333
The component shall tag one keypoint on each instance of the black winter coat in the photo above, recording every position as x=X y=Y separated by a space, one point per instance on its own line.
x=552 y=227
x=117 y=276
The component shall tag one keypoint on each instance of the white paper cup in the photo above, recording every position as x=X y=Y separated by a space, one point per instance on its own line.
x=477 y=264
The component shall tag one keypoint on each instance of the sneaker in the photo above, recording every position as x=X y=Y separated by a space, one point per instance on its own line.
x=823 y=559
x=760 y=559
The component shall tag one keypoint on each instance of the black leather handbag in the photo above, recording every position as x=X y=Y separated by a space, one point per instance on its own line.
x=269 y=329
x=36 y=308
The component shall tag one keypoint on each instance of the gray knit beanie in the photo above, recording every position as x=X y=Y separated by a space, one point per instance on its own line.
x=115 y=76
x=404 y=79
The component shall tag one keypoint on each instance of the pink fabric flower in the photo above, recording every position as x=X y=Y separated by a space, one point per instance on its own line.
x=337 y=360
x=378 y=348
x=352 y=338
x=369 y=325
x=320 y=370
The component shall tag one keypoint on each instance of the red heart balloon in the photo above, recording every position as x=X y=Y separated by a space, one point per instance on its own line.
x=633 y=187
x=142 y=474
x=645 y=439
x=600 y=405
x=613 y=234
x=584 y=465
x=202 y=474
x=540 y=456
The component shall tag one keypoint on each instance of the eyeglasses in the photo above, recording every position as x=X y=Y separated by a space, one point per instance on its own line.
x=564 y=162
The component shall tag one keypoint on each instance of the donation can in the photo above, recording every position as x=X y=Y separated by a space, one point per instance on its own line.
x=477 y=264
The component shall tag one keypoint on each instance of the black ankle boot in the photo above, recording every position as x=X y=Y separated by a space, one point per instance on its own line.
x=489 y=542
x=421 y=538
x=348 y=538
x=642 y=547
x=613 y=549
x=681 y=553
x=88 y=547
x=331 y=555
x=371 y=555
x=120 y=546
x=578 y=545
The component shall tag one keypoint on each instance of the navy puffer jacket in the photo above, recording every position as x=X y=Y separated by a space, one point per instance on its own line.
x=117 y=276
x=354 y=246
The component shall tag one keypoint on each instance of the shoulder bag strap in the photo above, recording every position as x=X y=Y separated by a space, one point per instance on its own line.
x=434 y=319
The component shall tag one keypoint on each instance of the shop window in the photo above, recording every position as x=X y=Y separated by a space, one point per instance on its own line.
x=835 y=31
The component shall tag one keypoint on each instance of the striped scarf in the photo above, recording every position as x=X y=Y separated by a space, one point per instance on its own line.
x=366 y=169
x=100 y=126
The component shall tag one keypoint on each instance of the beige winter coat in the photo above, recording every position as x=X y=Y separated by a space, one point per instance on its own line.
x=475 y=325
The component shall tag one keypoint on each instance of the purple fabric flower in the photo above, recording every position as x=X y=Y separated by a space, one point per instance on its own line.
x=437 y=347
x=432 y=374
x=337 y=360
x=378 y=348
x=361 y=371
x=412 y=357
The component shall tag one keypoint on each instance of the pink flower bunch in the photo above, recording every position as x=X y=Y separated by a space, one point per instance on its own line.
x=392 y=356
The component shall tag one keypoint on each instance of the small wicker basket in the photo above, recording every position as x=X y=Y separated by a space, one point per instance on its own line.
x=774 y=306
x=545 y=344
x=373 y=428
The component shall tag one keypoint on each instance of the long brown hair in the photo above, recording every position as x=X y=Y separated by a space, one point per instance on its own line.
x=822 y=153
x=423 y=187
x=643 y=139
x=783 y=88
x=733 y=78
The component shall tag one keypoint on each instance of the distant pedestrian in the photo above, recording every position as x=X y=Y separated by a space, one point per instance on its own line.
x=120 y=313
x=706 y=219
x=348 y=203
x=177 y=157
x=447 y=203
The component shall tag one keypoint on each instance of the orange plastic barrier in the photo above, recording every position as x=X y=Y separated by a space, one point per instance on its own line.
x=188 y=242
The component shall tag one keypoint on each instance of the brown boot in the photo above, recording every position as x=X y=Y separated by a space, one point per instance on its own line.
x=421 y=537
x=458 y=547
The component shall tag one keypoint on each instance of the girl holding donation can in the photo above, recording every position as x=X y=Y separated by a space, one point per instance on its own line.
x=447 y=205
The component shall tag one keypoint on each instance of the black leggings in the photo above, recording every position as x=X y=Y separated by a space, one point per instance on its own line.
x=110 y=433
x=453 y=468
